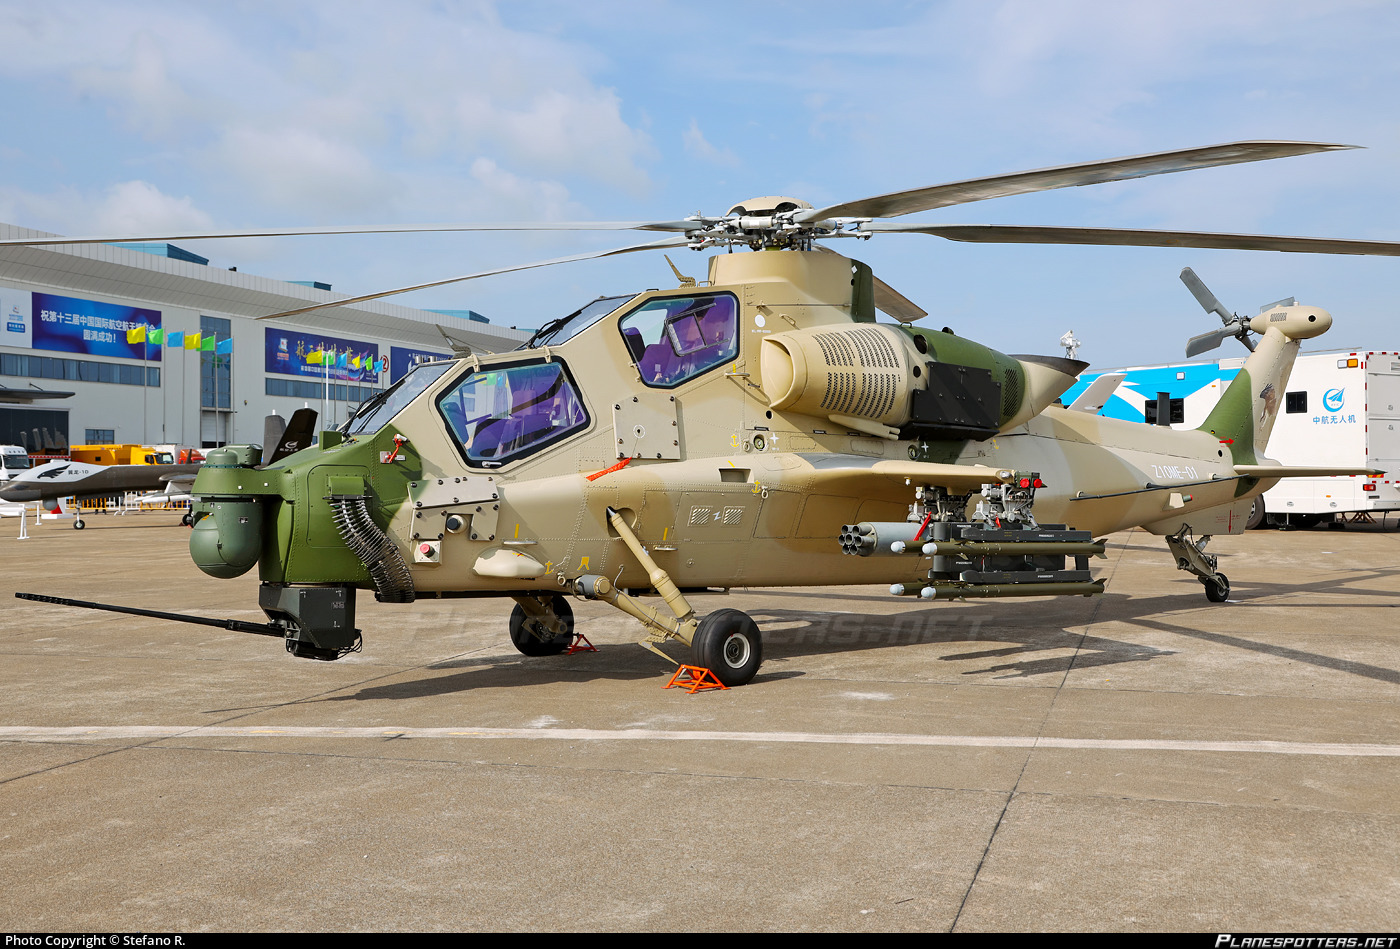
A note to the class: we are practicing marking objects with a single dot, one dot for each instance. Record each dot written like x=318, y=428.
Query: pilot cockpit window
x=500, y=414
x=673, y=339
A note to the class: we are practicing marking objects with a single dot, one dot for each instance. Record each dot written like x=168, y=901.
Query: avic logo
x=1332, y=400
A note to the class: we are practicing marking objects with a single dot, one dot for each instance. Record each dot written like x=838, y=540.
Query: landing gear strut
x=727, y=642
x=1191, y=556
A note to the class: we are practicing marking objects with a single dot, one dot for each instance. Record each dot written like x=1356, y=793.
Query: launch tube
x=989, y=590
x=968, y=549
x=874, y=538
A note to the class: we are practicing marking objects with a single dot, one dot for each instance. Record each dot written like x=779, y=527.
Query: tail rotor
x=1235, y=325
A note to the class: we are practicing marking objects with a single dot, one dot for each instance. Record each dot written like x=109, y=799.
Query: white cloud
x=152, y=101
x=140, y=207
x=503, y=195
x=697, y=145
x=303, y=171
x=127, y=208
x=329, y=108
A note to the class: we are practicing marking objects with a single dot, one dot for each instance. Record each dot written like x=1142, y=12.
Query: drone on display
x=759, y=428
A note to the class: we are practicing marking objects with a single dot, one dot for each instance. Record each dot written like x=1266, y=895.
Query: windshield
x=374, y=413
x=566, y=328
x=16, y=461
x=503, y=413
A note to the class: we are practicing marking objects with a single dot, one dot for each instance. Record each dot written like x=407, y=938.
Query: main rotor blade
x=1111, y=236
x=349, y=301
x=1065, y=176
x=358, y=229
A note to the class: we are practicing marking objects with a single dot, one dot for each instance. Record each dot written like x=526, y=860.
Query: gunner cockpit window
x=674, y=339
x=504, y=413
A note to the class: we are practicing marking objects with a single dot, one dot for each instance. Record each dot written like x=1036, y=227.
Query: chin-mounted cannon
x=245, y=515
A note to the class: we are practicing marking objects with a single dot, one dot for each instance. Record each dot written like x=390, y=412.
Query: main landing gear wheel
x=532, y=638
x=78, y=524
x=728, y=643
x=186, y=520
x=1217, y=588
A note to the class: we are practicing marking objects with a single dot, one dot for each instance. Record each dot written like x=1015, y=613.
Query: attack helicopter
x=756, y=428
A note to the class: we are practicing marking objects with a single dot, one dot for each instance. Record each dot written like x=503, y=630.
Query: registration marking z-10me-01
x=1179, y=472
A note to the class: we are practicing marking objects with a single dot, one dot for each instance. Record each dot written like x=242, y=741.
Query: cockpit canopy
x=674, y=339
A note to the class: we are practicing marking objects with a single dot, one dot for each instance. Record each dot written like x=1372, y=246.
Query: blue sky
x=140, y=116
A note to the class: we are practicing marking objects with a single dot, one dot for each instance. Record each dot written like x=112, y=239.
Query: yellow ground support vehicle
x=122, y=455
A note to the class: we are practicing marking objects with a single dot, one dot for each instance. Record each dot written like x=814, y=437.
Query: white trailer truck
x=13, y=459
x=1340, y=408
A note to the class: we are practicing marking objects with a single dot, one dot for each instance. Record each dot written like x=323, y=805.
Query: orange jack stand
x=695, y=679
x=580, y=644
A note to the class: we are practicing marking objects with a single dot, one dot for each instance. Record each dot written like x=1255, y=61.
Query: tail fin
x=297, y=434
x=1244, y=416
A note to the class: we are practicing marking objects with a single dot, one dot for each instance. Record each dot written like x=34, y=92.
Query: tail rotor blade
x=1207, y=341
x=1203, y=295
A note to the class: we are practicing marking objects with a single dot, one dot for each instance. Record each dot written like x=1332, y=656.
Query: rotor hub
x=764, y=222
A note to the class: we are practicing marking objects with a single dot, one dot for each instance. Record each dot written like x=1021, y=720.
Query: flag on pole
x=314, y=357
x=225, y=346
x=207, y=344
x=344, y=361
x=192, y=340
x=155, y=336
x=136, y=334
x=175, y=340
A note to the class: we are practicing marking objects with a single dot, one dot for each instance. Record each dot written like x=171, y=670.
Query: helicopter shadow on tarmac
x=790, y=635
x=1032, y=638
x=1275, y=591
x=1027, y=630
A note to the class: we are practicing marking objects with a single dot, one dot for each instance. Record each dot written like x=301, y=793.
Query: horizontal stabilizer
x=1095, y=397
x=1301, y=471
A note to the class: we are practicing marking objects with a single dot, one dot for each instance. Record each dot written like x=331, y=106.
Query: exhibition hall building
x=147, y=344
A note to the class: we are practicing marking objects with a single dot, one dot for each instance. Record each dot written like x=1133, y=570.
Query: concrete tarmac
x=1145, y=760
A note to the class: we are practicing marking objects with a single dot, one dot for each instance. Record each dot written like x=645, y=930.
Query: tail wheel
x=728, y=643
x=1217, y=588
x=532, y=638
